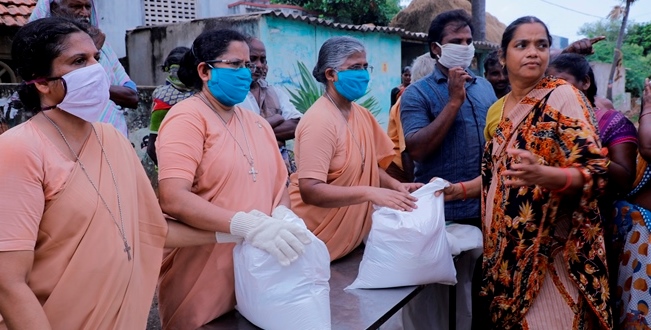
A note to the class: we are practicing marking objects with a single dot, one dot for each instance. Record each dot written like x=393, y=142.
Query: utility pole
x=479, y=19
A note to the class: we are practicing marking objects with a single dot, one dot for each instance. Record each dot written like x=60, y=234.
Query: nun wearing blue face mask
x=342, y=153
x=219, y=167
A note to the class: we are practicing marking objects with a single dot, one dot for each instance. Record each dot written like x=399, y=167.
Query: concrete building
x=13, y=15
x=559, y=42
x=290, y=40
x=118, y=16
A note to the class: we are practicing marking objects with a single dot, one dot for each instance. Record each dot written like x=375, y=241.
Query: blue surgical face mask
x=352, y=84
x=229, y=86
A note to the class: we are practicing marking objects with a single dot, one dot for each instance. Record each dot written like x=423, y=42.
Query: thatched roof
x=420, y=13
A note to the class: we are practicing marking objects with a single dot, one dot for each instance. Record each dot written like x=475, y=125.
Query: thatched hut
x=420, y=13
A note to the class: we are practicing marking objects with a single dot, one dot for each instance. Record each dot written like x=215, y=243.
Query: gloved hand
x=281, y=211
x=227, y=238
x=282, y=239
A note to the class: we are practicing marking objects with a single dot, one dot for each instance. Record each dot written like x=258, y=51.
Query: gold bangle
x=608, y=163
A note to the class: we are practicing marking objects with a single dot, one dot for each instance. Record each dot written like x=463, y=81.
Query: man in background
x=271, y=103
x=443, y=117
x=123, y=92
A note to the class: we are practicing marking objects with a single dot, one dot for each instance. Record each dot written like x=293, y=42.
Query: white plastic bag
x=273, y=296
x=463, y=238
x=408, y=248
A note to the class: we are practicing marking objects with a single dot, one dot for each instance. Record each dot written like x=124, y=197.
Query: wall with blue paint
x=289, y=41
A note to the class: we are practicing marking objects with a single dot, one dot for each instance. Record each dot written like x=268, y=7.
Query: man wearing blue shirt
x=443, y=118
x=443, y=115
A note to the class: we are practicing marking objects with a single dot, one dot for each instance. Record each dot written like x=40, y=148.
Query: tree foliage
x=378, y=12
x=607, y=28
x=637, y=65
x=635, y=49
x=640, y=34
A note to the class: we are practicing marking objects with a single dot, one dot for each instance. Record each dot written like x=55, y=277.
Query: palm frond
x=309, y=90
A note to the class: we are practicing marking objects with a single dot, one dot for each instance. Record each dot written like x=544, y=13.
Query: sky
x=564, y=18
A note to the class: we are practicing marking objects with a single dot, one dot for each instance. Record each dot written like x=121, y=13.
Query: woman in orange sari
x=81, y=237
x=342, y=153
x=544, y=254
x=219, y=170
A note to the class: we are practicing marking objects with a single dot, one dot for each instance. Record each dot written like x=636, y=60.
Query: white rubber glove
x=227, y=238
x=281, y=211
x=282, y=239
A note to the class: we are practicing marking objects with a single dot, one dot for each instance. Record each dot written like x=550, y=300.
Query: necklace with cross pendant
x=253, y=172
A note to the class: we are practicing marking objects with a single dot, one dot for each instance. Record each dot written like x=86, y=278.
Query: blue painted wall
x=289, y=41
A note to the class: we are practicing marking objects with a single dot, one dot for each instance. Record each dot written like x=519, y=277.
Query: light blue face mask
x=352, y=84
x=229, y=86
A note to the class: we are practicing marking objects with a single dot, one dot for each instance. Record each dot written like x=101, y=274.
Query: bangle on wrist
x=465, y=195
x=568, y=180
x=644, y=114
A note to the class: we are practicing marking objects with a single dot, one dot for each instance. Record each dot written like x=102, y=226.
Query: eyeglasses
x=237, y=64
x=368, y=68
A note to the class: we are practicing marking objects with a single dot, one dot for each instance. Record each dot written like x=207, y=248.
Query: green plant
x=309, y=90
x=378, y=12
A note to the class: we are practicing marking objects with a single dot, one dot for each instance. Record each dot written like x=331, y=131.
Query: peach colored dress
x=325, y=151
x=396, y=134
x=196, y=283
x=81, y=274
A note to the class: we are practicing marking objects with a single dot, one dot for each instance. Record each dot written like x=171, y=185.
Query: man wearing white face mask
x=443, y=118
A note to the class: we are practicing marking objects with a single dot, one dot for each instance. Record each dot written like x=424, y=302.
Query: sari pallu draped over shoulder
x=523, y=226
x=81, y=274
x=323, y=127
x=196, y=283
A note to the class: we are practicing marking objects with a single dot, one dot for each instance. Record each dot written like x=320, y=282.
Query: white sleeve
x=288, y=110
x=249, y=103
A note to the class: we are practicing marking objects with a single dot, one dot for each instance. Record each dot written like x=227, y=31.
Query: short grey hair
x=422, y=67
x=333, y=53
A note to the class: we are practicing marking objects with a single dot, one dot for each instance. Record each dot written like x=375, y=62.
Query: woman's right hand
x=397, y=200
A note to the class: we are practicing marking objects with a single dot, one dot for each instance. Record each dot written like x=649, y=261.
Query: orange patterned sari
x=544, y=254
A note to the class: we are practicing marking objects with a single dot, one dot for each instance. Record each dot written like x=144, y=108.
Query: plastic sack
x=273, y=296
x=463, y=238
x=408, y=248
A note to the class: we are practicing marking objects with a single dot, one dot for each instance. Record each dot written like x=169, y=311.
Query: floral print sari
x=536, y=239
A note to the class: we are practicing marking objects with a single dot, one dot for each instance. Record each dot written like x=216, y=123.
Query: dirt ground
x=153, y=322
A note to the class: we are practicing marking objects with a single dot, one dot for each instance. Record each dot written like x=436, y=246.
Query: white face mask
x=87, y=92
x=453, y=55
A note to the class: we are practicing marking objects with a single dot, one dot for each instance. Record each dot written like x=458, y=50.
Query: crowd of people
x=553, y=175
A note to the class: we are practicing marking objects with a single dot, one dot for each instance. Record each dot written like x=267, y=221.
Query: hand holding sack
x=274, y=296
x=408, y=248
x=282, y=239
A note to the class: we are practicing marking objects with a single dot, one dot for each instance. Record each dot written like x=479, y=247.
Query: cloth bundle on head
x=42, y=10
